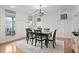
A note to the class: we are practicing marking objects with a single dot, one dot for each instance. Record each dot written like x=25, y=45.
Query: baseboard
x=24, y=38
x=62, y=38
x=13, y=40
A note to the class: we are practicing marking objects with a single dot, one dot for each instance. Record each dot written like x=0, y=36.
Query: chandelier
x=40, y=12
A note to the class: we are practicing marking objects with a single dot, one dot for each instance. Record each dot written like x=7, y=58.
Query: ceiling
x=50, y=9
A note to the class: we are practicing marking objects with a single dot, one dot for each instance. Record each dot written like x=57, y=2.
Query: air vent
x=63, y=17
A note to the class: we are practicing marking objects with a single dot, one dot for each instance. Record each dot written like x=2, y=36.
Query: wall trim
x=21, y=38
x=63, y=38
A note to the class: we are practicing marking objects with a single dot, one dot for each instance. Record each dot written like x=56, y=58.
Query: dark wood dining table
x=44, y=34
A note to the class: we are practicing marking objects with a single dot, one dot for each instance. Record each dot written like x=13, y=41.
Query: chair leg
x=46, y=43
x=32, y=41
x=41, y=44
x=35, y=41
x=27, y=40
x=53, y=44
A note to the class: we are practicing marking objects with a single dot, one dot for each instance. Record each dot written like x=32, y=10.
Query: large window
x=9, y=25
x=9, y=22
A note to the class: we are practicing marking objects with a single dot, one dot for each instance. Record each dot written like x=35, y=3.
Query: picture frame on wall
x=63, y=16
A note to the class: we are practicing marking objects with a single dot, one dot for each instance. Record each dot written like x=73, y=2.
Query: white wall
x=64, y=27
x=76, y=19
x=53, y=22
x=20, y=25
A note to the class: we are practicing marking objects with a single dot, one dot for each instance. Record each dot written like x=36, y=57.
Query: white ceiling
x=50, y=9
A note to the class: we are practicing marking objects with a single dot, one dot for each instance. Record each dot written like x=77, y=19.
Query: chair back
x=28, y=32
x=46, y=29
x=28, y=29
x=50, y=34
x=36, y=33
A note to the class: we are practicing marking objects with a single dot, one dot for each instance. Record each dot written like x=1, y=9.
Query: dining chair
x=38, y=37
x=53, y=38
x=29, y=35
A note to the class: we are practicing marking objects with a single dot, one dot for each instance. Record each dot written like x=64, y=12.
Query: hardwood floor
x=9, y=47
x=67, y=45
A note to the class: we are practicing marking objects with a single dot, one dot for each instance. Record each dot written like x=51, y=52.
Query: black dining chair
x=53, y=39
x=38, y=37
x=29, y=35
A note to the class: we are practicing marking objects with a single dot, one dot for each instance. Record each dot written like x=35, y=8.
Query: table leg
x=46, y=41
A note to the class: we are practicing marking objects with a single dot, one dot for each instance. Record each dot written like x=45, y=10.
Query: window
x=9, y=22
x=9, y=25
x=30, y=23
